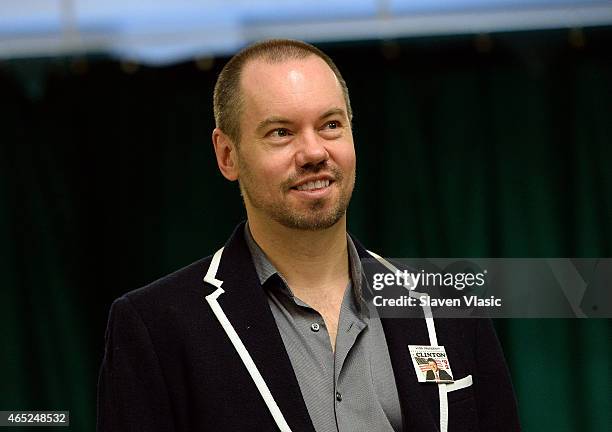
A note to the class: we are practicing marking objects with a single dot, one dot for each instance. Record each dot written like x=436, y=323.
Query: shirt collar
x=265, y=269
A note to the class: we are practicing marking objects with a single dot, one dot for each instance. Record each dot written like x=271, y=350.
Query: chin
x=310, y=221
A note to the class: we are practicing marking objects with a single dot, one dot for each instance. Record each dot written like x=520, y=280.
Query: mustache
x=331, y=170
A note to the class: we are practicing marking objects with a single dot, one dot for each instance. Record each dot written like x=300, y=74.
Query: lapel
x=400, y=332
x=245, y=304
x=246, y=307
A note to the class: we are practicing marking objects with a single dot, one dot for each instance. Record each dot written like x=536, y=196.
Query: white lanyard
x=433, y=341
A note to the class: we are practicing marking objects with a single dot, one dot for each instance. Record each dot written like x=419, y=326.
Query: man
x=435, y=373
x=272, y=331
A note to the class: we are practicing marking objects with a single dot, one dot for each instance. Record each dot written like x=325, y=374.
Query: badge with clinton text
x=431, y=363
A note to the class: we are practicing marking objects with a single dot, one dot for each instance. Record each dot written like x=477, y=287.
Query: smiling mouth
x=313, y=185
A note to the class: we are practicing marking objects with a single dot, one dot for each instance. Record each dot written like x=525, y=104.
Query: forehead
x=303, y=84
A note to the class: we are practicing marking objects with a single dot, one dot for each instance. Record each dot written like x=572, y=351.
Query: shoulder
x=177, y=292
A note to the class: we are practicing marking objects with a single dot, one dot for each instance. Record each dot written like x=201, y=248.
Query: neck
x=304, y=258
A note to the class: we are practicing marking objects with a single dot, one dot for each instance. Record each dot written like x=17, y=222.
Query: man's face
x=296, y=157
x=433, y=366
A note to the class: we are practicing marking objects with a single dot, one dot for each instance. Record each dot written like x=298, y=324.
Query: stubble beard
x=315, y=217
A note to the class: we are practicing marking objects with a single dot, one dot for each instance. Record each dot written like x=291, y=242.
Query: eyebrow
x=271, y=120
x=332, y=112
x=284, y=121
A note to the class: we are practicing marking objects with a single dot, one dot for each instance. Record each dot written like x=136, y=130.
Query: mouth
x=313, y=185
x=315, y=188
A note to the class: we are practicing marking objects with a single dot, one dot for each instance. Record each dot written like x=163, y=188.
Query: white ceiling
x=161, y=32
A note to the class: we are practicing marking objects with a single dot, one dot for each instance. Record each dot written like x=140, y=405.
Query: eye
x=279, y=133
x=332, y=129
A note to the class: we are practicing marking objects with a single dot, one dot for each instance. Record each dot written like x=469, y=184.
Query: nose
x=311, y=150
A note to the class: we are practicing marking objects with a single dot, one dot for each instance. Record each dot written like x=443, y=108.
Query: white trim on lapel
x=433, y=340
x=211, y=278
x=431, y=327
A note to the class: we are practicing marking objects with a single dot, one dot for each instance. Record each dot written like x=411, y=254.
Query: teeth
x=313, y=185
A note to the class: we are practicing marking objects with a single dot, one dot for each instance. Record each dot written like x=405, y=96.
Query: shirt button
x=338, y=397
x=315, y=327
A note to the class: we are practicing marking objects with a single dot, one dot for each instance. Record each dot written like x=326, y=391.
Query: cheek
x=345, y=158
x=267, y=170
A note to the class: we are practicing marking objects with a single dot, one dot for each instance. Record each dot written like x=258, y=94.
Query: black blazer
x=169, y=366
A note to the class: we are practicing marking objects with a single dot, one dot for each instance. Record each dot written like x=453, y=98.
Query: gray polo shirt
x=352, y=389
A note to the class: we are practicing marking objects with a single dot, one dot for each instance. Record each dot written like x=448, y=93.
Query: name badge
x=431, y=363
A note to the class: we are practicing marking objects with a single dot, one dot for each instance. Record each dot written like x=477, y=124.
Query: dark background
x=477, y=146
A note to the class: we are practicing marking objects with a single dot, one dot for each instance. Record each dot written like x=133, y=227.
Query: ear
x=225, y=151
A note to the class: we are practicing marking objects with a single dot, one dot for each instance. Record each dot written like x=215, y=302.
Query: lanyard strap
x=433, y=341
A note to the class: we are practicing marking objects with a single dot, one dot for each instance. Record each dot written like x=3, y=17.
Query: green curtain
x=495, y=146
